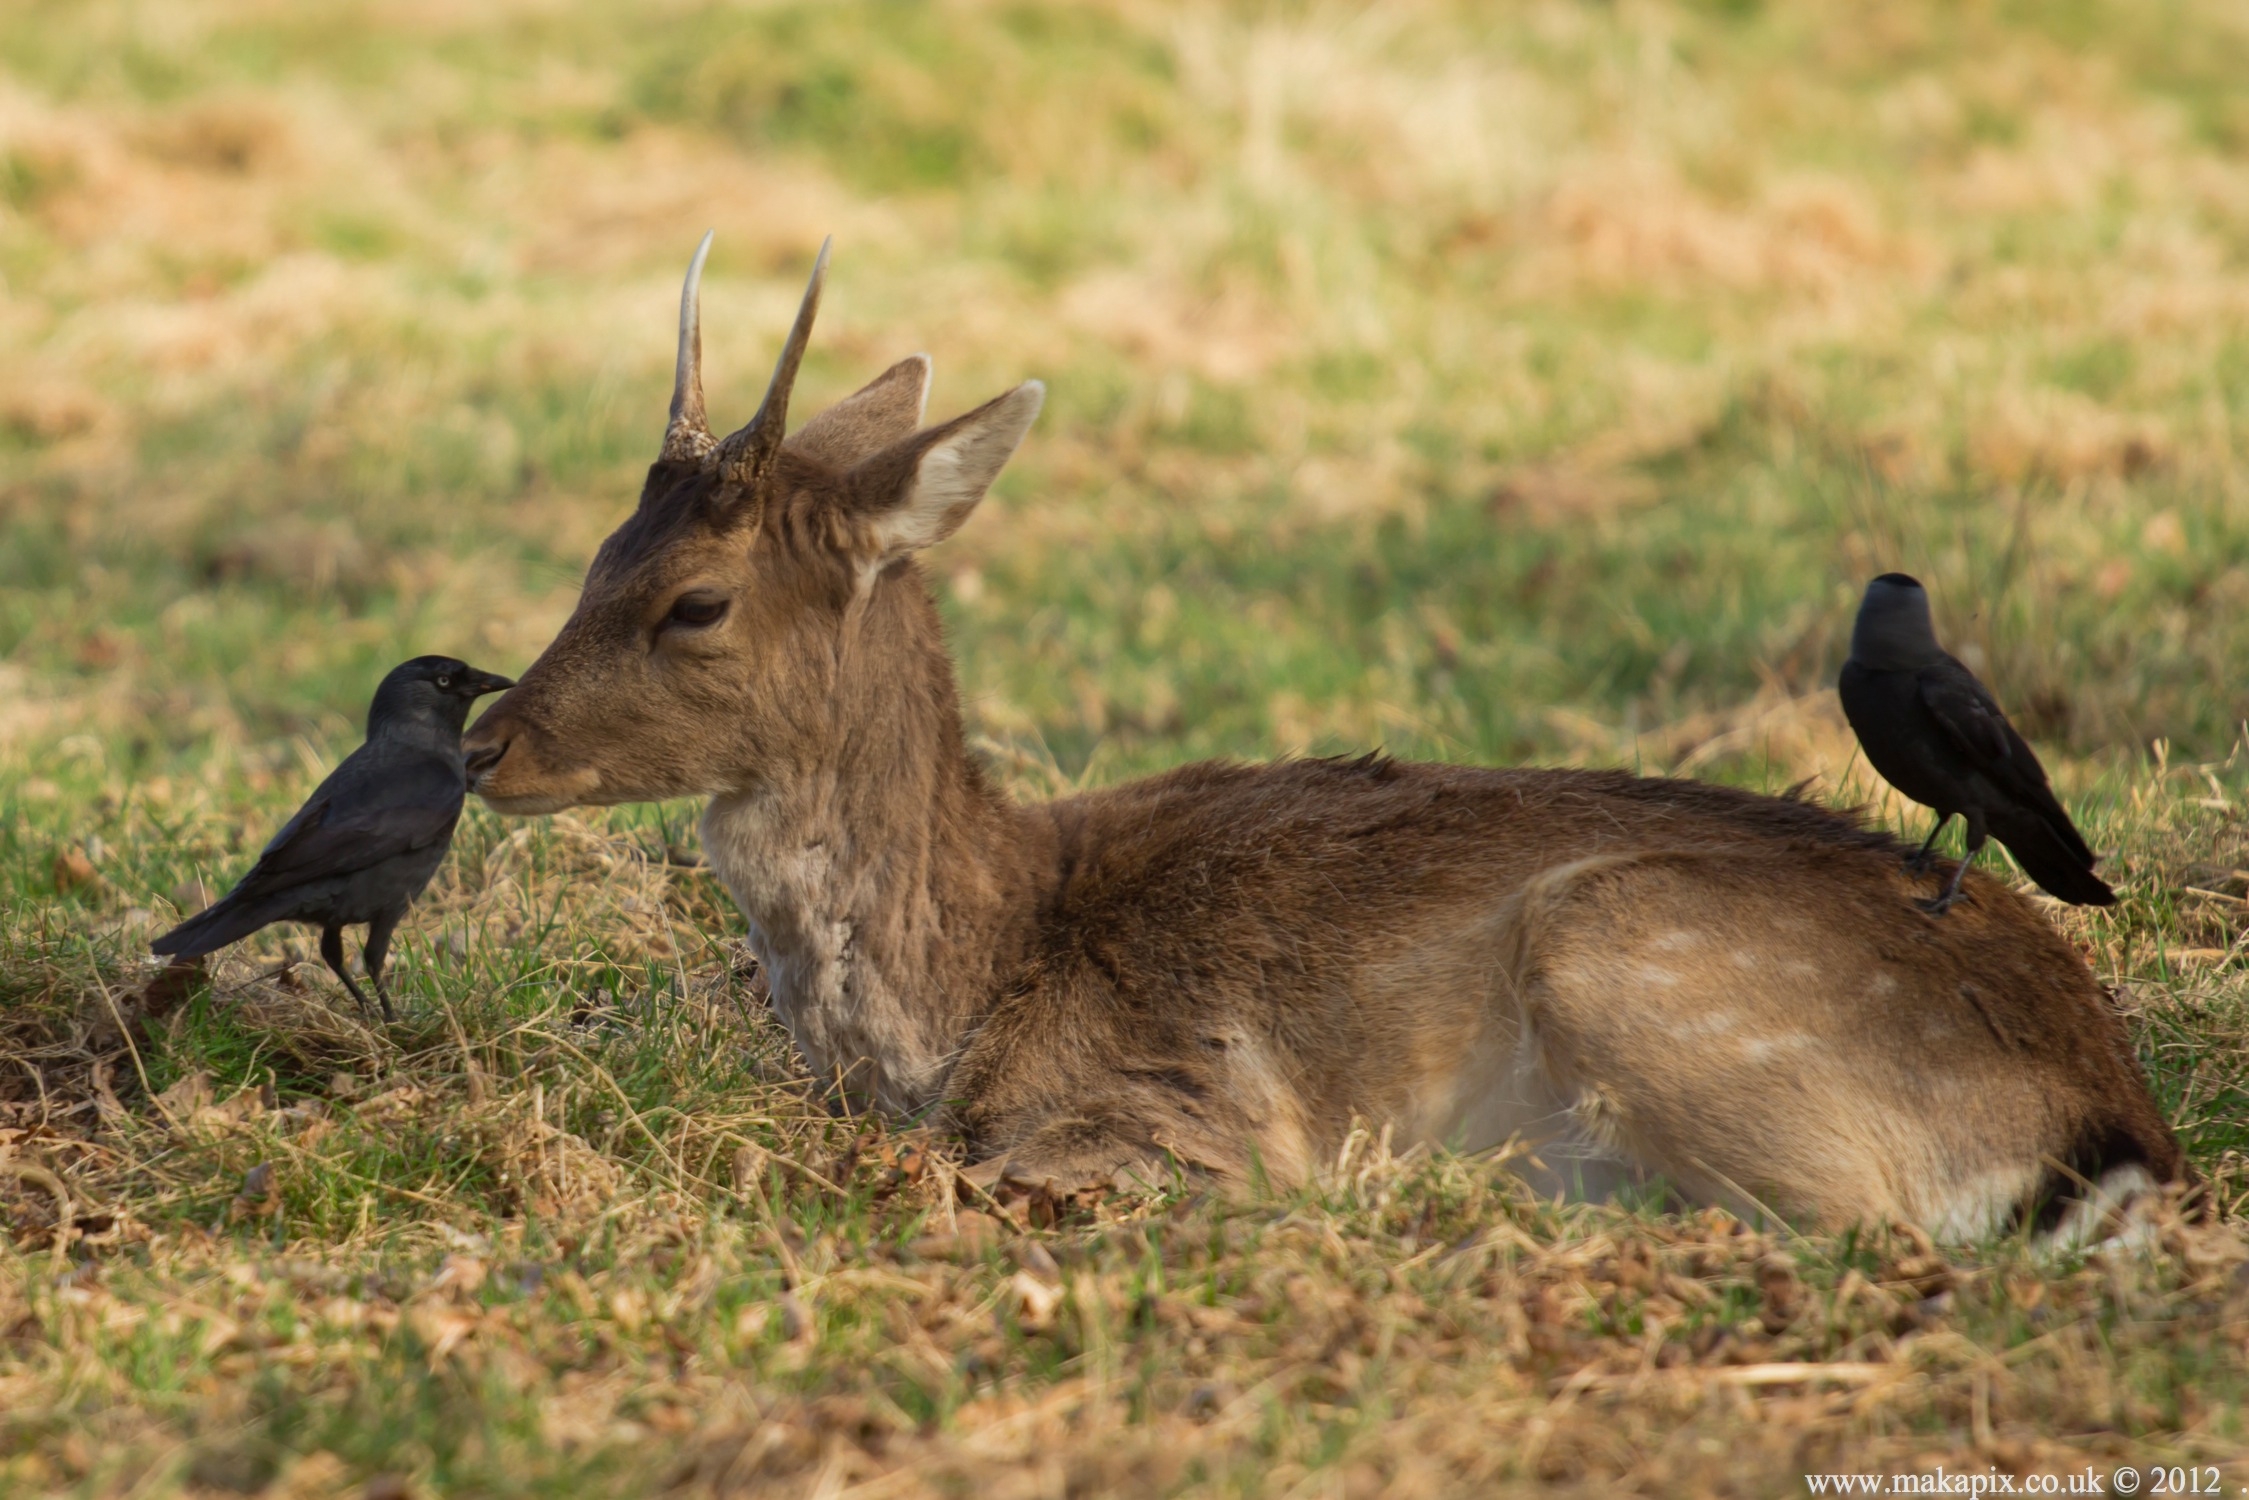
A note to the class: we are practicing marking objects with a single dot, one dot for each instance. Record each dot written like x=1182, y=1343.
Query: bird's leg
x=378, y=949
x=1920, y=860
x=1943, y=903
x=332, y=954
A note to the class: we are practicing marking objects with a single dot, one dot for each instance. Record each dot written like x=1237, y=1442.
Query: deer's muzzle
x=511, y=764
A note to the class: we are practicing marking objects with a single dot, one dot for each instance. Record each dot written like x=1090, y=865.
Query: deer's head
x=759, y=585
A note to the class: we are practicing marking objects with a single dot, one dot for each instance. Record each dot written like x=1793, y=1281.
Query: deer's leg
x=1118, y=1121
x=1080, y=1149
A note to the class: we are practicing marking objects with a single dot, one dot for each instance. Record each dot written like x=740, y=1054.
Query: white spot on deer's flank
x=1762, y=1049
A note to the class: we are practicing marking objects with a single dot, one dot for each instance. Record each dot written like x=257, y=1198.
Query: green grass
x=1499, y=384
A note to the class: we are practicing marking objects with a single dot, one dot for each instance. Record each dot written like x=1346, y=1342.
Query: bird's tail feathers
x=2064, y=831
x=228, y=920
x=2054, y=860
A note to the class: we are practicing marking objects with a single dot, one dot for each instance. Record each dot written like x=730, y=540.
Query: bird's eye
x=444, y=679
x=696, y=609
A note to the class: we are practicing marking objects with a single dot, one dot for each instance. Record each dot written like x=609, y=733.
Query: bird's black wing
x=1972, y=720
x=362, y=815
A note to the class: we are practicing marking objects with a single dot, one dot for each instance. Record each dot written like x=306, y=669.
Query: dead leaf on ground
x=173, y=984
x=73, y=871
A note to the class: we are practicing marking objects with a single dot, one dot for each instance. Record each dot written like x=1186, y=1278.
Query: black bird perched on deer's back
x=370, y=836
x=1938, y=736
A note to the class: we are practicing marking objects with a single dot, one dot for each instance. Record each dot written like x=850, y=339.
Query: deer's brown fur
x=1226, y=967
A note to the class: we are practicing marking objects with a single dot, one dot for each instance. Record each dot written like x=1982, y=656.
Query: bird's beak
x=490, y=682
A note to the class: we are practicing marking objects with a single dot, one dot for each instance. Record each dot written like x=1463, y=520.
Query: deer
x=1629, y=983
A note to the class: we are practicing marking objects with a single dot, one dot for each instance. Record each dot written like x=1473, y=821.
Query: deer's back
x=1311, y=861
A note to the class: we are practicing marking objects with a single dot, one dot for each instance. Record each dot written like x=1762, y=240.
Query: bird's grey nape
x=1894, y=630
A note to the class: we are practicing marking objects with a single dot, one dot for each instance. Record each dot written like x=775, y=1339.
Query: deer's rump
x=1637, y=977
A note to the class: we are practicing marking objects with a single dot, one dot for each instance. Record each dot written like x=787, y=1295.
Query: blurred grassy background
x=1497, y=382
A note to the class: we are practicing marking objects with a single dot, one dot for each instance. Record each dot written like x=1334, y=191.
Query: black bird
x=371, y=835
x=1936, y=735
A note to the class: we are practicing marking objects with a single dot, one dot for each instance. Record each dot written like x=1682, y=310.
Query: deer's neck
x=890, y=891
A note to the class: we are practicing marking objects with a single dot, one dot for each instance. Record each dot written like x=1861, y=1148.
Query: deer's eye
x=697, y=609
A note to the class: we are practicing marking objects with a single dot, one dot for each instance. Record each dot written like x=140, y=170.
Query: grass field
x=1499, y=383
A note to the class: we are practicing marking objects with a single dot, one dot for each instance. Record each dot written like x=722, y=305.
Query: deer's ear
x=868, y=420
x=916, y=493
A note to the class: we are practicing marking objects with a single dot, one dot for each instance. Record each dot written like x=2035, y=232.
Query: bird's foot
x=1920, y=861
x=1944, y=900
x=366, y=1006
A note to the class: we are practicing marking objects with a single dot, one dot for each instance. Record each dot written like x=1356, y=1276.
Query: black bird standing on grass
x=371, y=835
x=1936, y=735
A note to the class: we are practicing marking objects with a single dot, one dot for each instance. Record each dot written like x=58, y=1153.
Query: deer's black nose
x=483, y=758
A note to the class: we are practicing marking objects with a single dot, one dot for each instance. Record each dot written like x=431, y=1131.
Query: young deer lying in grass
x=1229, y=965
